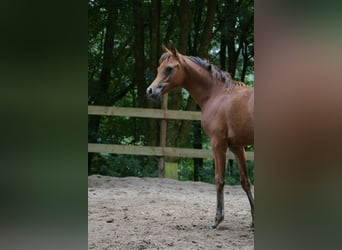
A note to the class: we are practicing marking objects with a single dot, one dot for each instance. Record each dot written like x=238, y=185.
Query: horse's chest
x=214, y=124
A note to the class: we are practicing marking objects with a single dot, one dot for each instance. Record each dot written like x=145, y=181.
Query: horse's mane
x=216, y=73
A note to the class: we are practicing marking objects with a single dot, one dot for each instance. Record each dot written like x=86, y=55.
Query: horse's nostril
x=149, y=91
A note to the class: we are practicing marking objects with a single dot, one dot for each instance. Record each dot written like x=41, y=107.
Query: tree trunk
x=152, y=124
x=207, y=31
x=155, y=34
x=185, y=26
x=99, y=97
x=223, y=50
x=246, y=29
x=245, y=61
x=231, y=33
x=139, y=55
x=197, y=25
x=233, y=55
x=171, y=22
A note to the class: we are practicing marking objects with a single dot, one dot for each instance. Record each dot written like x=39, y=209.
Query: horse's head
x=170, y=73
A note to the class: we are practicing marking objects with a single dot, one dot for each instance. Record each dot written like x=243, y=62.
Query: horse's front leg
x=219, y=151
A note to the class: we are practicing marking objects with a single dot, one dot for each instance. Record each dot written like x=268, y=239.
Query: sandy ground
x=152, y=213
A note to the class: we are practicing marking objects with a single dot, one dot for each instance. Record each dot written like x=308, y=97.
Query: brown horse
x=227, y=112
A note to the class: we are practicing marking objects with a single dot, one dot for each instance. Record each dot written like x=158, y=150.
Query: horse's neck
x=200, y=84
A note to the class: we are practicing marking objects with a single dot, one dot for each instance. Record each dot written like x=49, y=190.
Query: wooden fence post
x=163, y=127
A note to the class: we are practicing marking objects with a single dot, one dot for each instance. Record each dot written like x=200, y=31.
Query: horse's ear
x=165, y=49
x=173, y=49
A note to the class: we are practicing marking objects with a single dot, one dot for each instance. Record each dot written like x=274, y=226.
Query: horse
x=227, y=112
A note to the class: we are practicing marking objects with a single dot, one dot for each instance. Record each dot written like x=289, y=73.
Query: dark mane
x=218, y=74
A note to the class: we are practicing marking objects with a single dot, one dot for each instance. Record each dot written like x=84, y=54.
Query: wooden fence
x=162, y=151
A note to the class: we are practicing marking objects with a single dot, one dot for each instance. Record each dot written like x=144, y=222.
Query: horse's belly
x=240, y=139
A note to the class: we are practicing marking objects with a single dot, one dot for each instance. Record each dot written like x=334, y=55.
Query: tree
x=139, y=55
x=99, y=95
x=152, y=124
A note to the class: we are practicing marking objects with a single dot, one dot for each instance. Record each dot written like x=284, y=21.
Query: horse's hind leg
x=240, y=156
x=219, y=151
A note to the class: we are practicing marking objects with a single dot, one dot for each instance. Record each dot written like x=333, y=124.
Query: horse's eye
x=168, y=70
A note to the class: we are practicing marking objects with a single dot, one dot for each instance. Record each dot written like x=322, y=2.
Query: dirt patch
x=153, y=213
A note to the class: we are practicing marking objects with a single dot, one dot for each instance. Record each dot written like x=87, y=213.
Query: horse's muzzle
x=154, y=93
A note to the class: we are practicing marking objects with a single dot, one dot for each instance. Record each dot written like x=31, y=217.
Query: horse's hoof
x=217, y=222
x=212, y=226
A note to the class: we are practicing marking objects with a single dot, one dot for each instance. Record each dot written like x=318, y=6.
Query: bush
x=143, y=166
x=125, y=165
x=207, y=173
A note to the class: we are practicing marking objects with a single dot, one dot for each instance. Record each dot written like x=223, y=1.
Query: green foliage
x=185, y=169
x=233, y=176
x=123, y=165
x=207, y=173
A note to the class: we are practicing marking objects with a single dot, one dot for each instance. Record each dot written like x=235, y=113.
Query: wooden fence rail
x=162, y=151
x=144, y=113
x=157, y=151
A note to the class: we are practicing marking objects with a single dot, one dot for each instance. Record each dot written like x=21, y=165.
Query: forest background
x=124, y=45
